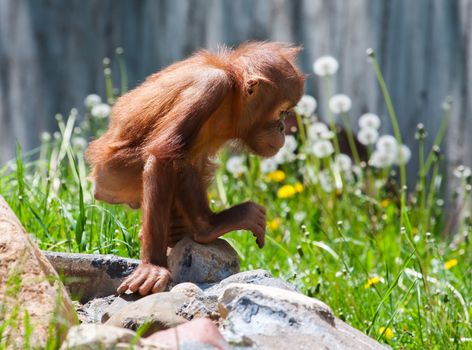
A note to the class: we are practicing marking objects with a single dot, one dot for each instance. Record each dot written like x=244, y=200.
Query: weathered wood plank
x=51, y=51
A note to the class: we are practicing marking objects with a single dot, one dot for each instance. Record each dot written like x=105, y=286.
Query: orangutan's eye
x=286, y=114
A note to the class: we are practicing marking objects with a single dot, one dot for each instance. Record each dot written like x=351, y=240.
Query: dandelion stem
x=332, y=124
x=392, y=114
x=438, y=139
x=350, y=139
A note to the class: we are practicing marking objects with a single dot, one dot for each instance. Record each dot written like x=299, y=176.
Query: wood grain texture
x=51, y=52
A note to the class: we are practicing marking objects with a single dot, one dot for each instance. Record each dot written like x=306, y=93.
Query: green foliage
x=382, y=257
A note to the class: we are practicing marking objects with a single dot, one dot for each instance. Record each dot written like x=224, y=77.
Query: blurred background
x=51, y=54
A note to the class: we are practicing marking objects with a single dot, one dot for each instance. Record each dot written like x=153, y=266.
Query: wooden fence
x=51, y=52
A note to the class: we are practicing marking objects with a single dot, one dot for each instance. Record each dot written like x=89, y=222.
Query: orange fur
x=162, y=134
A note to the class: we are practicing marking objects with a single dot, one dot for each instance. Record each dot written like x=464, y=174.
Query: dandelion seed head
x=340, y=104
x=101, y=111
x=369, y=120
x=268, y=165
x=299, y=216
x=326, y=180
x=403, y=155
x=325, y=65
x=316, y=129
x=322, y=148
x=306, y=106
x=387, y=143
x=368, y=136
x=381, y=159
x=343, y=161
x=236, y=165
x=79, y=142
x=462, y=172
x=286, y=153
x=45, y=136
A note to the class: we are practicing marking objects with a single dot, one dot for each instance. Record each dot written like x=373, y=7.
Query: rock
x=200, y=334
x=158, y=311
x=274, y=318
x=92, y=311
x=29, y=284
x=89, y=276
x=258, y=277
x=202, y=263
x=189, y=289
x=93, y=336
x=117, y=304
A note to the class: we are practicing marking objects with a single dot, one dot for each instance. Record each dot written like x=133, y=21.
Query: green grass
x=370, y=249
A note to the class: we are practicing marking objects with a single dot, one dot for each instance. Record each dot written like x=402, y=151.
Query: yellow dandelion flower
x=277, y=176
x=286, y=191
x=298, y=187
x=274, y=224
x=372, y=281
x=385, y=203
x=450, y=264
x=388, y=332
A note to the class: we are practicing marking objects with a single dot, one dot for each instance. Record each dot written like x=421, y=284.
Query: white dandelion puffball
x=322, y=148
x=325, y=65
x=340, y=104
x=369, y=120
x=316, y=129
x=236, y=165
x=462, y=172
x=92, y=100
x=368, y=136
x=45, y=136
x=327, y=135
x=343, y=161
x=268, y=165
x=326, y=180
x=306, y=106
x=381, y=159
x=284, y=156
x=286, y=153
x=79, y=142
x=290, y=143
x=101, y=111
x=403, y=155
x=387, y=144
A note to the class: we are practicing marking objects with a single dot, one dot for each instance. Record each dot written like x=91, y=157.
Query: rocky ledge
x=210, y=305
x=241, y=310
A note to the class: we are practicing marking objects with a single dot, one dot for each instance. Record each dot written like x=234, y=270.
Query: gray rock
x=274, y=318
x=118, y=303
x=257, y=277
x=157, y=311
x=202, y=263
x=93, y=336
x=92, y=311
x=89, y=276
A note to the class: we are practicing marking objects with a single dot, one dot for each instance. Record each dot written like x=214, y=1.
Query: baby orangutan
x=156, y=154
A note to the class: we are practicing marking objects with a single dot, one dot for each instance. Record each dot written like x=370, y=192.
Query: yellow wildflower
x=286, y=191
x=385, y=203
x=450, y=264
x=298, y=187
x=277, y=176
x=274, y=224
x=372, y=281
x=388, y=332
